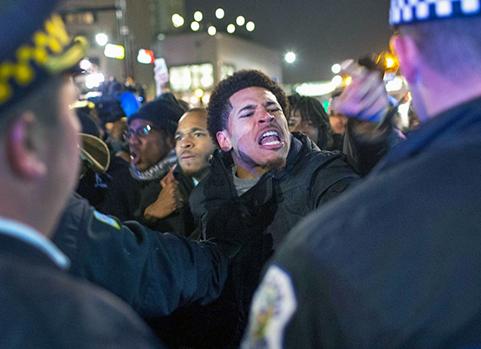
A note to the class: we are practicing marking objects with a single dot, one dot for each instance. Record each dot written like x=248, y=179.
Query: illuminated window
x=191, y=77
x=226, y=70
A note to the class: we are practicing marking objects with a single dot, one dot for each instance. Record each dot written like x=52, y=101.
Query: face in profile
x=257, y=132
x=148, y=144
x=193, y=144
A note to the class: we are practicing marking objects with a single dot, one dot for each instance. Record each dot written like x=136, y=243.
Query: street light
x=211, y=30
x=102, y=39
x=240, y=20
x=195, y=26
x=231, y=28
x=290, y=57
x=177, y=20
x=250, y=26
x=336, y=68
x=337, y=80
x=198, y=16
x=219, y=13
x=85, y=64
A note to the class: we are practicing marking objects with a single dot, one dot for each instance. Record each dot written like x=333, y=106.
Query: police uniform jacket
x=394, y=263
x=43, y=307
x=153, y=272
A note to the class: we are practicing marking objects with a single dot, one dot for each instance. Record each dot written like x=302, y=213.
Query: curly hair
x=219, y=106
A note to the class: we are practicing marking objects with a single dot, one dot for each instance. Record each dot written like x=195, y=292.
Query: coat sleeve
x=365, y=143
x=153, y=272
x=330, y=180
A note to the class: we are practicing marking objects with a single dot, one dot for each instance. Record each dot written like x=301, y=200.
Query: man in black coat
x=166, y=206
x=263, y=176
x=402, y=270
x=40, y=305
x=150, y=136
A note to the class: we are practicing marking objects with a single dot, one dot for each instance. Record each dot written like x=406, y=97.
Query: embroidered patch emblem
x=273, y=306
x=107, y=220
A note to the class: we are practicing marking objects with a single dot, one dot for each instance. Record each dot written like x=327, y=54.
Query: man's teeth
x=272, y=143
x=270, y=133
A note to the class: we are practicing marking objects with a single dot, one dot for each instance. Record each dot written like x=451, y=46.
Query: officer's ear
x=224, y=140
x=25, y=155
x=408, y=55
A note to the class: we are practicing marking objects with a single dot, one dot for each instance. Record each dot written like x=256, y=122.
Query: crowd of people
x=261, y=221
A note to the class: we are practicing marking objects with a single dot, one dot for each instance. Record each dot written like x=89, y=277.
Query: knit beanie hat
x=163, y=112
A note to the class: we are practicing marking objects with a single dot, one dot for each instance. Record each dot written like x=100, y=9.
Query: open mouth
x=134, y=158
x=270, y=139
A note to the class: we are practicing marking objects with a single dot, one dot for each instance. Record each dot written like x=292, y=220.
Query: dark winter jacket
x=271, y=208
x=123, y=193
x=42, y=307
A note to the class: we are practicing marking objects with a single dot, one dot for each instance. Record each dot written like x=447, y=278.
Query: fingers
x=168, y=181
x=169, y=177
x=365, y=98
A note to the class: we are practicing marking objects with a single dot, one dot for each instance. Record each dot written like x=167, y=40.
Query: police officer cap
x=34, y=45
x=404, y=12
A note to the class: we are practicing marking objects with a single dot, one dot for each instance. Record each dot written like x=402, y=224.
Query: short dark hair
x=43, y=101
x=219, y=105
x=451, y=46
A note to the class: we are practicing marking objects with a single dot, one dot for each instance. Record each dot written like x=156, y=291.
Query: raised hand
x=168, y=201
x=365, y=99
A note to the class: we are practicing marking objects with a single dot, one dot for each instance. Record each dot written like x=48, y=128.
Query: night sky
x=321, y=32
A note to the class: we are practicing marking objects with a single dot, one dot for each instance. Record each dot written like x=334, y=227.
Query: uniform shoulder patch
x=273, y=306
x=107, y=220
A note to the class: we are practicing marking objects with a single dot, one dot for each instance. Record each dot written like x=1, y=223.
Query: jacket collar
x=28, y=235
x=300, y=144
x=454, y=125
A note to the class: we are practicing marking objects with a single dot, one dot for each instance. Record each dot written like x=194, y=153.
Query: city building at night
x=127, y=35
x=197, y=61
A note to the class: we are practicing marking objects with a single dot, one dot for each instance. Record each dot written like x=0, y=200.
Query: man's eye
x=177, y=138
x=199, y=134
x=246, y=115
x=273, y=110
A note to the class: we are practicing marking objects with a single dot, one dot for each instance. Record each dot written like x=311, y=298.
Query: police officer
x=40, y=305
x=403, y=270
